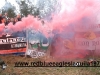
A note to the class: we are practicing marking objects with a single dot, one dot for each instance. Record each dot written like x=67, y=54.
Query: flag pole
x=26, y=42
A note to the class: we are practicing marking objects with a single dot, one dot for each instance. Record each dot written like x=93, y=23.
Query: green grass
x=11, y=70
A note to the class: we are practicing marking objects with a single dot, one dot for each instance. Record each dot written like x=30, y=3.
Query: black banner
x=7, y=43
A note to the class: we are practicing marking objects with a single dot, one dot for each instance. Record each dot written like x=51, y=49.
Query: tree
x=47, y=7
x=26, y=8
x=10, y=9
x=11, y=13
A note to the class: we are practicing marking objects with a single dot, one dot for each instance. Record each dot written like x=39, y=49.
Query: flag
x=44, y=44
x=90, y=35
x=68, y=44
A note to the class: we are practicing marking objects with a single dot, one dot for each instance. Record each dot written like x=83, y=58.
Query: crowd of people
x=6, y=20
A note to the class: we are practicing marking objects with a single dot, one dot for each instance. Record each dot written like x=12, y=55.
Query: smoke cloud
x=62, y=26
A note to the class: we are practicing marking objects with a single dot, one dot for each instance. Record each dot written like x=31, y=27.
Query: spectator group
x=6, y=20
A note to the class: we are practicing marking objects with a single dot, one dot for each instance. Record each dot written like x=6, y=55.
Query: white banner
x=35, y=54
x=12, y=40
x=82, y=43
x=37, y=44
x=84, y=28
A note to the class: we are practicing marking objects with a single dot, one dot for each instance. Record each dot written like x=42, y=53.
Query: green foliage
x=24, y=9
x=27, y=8
x=10, y=10
x=11, y=13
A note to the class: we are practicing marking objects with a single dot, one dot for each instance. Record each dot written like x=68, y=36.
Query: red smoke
x=2, y=26
x=83, y=13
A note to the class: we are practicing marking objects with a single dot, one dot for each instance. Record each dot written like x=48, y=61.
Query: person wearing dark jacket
x=0, y=18
x=18, y=17
x=3, y=20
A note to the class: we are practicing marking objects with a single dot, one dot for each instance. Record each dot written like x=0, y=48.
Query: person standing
x=18, y=17
x=0, y=18
x=6, y=15
x=6, y=18
x=3, y=19
x=15, y=20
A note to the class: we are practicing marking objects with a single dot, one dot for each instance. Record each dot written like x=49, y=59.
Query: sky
x=2, y=2
x=13, y=2
x=70, y=3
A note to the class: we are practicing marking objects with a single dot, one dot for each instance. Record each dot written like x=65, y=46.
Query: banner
x=87, y=37
x=11, y=44
x=85, y=44
x=37, y=44
x=85, y=28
